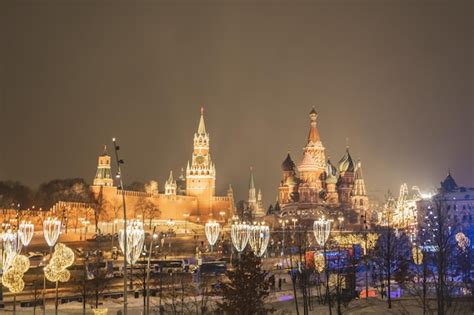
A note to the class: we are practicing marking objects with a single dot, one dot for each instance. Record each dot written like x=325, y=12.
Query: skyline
x=380, y=76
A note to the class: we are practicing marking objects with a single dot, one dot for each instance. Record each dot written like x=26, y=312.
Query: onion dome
x=291, y=181
x=288, y=165
x=331, y=173
x=346, y=164
x=449, y=184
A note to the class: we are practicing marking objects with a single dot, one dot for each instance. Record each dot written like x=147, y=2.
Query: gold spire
x=313, y=135
x=202, y=126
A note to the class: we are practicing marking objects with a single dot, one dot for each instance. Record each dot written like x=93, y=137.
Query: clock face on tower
x=199, y=159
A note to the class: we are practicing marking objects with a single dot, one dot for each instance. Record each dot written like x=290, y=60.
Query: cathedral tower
x=359, y=195
x=201, y=173
x=331, y=180
x=313, y=165
x=170, y=185
x=288, y=190
x=103, y=176
x=346, y=178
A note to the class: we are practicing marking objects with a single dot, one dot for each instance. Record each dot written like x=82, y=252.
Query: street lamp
x=321, y=230
x=212, y=229
x=86, y=224
x=186, y=217
x=51, y=232
x=26, y=231
x=239, y=233
x=259, y=237
x=283, y=223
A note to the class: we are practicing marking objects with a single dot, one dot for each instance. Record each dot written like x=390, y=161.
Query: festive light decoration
x=26, y=231
x=13, y=277
x=135, y=241
x=259, y=236
x=100, y=311
x=63, y=257
x=463, y=241
x=321, y=230
x=51, y=230
x=239, y=233
x=417, y=254
x=10, y=249
x=351, y=238
x=212, y=230
x=319, y=261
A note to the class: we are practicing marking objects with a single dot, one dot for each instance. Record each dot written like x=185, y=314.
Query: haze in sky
x=395, y=77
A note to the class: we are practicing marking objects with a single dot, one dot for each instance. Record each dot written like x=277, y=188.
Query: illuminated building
x=316, y=186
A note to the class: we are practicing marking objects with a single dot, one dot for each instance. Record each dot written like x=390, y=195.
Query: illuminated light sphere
x=11, y=276
x=319, y=261
x=417, y=255
x=10, y=249
x=64, y=275
x=321, y=230
x=135, y=241
x=212, y=229
x=51, y=230
x=65, y=254
x=21, y=263
x=62, y=258
x=463, y=241
x=17, y=287
x=259, y=236
x=26, y=232
x=239, y=233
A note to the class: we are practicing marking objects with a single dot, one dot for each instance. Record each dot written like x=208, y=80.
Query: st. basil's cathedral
x=316, y=187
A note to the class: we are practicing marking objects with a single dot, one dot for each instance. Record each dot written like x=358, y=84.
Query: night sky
x=395, y=77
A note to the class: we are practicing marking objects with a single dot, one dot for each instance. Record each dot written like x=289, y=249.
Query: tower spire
x=103, y=176
x=202, y=126
x=251, y=182
x=313, y=135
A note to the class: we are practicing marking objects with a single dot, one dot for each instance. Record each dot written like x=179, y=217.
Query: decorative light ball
x=212, y=230
x=64, y=275
x=240, y=233
x=17, y=287
x=11, y=276
x=21, y=263
x=259, y=236
x=62, y=258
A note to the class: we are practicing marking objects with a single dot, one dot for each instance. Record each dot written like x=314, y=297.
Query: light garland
x=417, y=255
x=51, y=230
x=63, y=257
x=135, y=241
x=100, y=311
x=259, y=236
x=212, y=229
x=240, y=235
x=321, y=230
x=319, y=262
x=26, y=231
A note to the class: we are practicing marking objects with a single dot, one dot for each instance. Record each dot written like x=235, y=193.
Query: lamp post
x=147, y=282
x=366, y=258
x=239, y=233
x=321, y=230
x=186, y=218
x=51, y=232
x=26, y=231
x=212, y=229
x=119, y=177
x=259, y=236
x=283, y=224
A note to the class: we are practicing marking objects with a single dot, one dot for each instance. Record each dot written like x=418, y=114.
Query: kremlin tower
x=103, y=176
